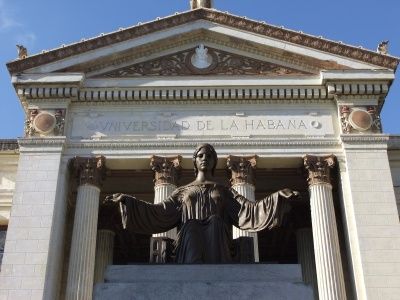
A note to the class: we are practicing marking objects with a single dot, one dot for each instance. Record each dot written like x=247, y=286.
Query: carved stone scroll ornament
x=242, y=169
x=45, y=122
x=203, y=61
x=319, y=168
x=360, y=119
x=89, y=170
x=167, y=170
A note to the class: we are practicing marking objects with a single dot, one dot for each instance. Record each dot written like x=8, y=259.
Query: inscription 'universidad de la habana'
x=201, y=125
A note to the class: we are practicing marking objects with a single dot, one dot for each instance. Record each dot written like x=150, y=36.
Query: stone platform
x=257, y=281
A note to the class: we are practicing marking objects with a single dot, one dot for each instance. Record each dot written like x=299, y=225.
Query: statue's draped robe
x=204, y=215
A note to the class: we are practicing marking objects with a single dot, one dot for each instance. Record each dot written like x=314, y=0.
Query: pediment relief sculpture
x=203, y=60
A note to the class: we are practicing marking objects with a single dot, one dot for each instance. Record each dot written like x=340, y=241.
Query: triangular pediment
x=228, y=30
x=202, y=60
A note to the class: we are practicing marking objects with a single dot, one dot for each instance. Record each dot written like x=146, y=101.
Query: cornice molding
x=168, y=144
x=9, y=145
x=365, y=141
x=206, y=93
x=394, y=142
x=357, y=88
x=237, y=22
x=42, y=145
x=48, y=92
x=171, y=94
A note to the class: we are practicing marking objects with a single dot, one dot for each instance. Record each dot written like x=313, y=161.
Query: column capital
x=166, y=170
x=319, y=168
x=89, y=170
x=242, y=169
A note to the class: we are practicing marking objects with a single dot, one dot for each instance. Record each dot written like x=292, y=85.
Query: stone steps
x=258, y=281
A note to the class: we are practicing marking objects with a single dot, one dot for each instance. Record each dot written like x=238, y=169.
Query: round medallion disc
x=44, y=122
x=360, y=120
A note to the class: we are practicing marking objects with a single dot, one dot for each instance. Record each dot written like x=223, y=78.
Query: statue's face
x=205, y=160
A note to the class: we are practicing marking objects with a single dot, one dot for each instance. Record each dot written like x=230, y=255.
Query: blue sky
x=46, y=24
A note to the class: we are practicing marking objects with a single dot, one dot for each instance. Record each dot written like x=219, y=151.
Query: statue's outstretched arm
x=142, y=217
x=264, y=213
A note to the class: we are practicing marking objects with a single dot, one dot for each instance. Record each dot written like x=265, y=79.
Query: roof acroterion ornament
x=383, y=47
x=201, y=4
x=22, y=52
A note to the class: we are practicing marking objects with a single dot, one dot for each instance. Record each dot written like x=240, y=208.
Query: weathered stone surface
x=203, y=282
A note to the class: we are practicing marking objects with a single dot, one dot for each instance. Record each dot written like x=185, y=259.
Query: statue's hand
x=288, y=193
x=115, y=198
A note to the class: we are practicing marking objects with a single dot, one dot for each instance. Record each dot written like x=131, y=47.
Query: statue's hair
x=213, y=152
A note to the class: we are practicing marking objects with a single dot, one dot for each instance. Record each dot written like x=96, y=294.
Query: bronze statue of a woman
x=204, y=212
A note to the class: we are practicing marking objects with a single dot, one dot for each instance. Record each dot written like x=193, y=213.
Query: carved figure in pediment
x=201, y=59
x=204, y=212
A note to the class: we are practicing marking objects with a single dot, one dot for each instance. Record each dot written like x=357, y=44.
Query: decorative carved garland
x=221, y=63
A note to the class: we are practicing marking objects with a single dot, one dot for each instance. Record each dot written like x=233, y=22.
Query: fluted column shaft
x=325, y=235
x=306, y=256
x=242, y=180
x=83, y=246
x=104, y=253
x=167, y=171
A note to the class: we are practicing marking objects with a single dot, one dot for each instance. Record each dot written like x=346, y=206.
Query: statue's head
x=209, y=149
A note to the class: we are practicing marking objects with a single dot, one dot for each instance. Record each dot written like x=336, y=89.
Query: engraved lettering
x=271, y=124
x=302, y=125
x=201, y=125
x=185, y=125
x=234, y=126
x=280, y=125
x=250, y=124
x=292, y=123
x=260, y=125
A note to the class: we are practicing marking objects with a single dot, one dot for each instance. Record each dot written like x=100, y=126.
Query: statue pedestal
x=240, y=281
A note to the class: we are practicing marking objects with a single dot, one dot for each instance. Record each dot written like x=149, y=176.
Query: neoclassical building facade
x=123, y=112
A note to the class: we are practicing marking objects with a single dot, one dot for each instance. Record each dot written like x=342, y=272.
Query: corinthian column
x=90, y=173
x=167, y=171
x=243, y=181
x=326, y=242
